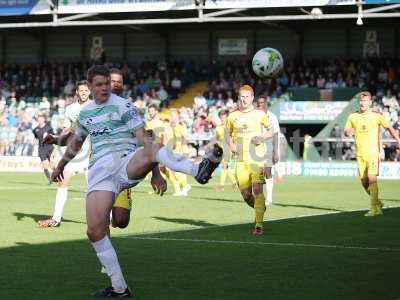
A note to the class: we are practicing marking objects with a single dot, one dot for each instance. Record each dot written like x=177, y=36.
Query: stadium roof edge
x=379, y=11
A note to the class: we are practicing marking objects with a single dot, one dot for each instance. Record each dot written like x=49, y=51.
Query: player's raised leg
x=145, y=159
x=98, y=207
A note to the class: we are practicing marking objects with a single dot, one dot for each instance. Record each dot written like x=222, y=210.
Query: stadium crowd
x=29, y=90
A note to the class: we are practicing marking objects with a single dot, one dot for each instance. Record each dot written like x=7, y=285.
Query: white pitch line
x=287, y=244
x=265, y=243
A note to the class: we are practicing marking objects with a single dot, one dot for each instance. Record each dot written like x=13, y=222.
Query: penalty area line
x=383, y=249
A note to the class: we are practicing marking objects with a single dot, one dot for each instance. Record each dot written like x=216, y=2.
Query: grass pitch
x=317, y=244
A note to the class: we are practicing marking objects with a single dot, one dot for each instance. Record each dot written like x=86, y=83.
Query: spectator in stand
x=199, y=102
x=390, y=101
x=142, y=87
x=220, y=102
x=200, y=126
x=321, y=81
x=176, y=86
x=186, y=118
x=44, y=106
x=69, y=88
x=331, y=84
x=140, y=105
x=210, y=98
x=4, y=136
x=162, y=96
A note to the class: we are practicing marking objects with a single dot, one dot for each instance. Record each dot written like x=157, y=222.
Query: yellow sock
x=231, y=176
x=373, y=189
x=171, y=176
x=182, y=179
x=259, y=209
x=223, y=177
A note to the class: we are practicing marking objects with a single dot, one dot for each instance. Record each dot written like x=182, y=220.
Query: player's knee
x=372, y=179
x=95, y=233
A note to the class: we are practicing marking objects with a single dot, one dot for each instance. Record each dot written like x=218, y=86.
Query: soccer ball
x=267, y=62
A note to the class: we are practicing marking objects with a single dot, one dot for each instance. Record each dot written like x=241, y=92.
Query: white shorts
x=269, y=162
x=109, y=174
x=77, y=166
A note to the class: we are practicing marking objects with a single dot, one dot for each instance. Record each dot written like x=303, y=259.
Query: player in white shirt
x=272, y=149
x=81, y=160
x=123, y=153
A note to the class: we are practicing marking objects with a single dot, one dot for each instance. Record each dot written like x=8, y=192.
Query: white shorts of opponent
x=277, y=168
x=109, y=174
x=77, y=166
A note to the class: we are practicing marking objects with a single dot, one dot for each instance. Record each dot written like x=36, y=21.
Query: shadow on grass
x=215, y=199
x=307, y=206
x=185, y=221
x=181, y=270
x=36, y=218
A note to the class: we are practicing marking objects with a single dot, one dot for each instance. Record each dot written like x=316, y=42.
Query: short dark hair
x=223, y=112
x=96, y=70
x=262, y=97
x=116, y=71
x=81, y=82
x=154, y=106
x=365, y=94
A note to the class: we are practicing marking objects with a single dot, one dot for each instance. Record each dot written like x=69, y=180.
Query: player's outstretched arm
x=74, y=146
x=65, y=137
x=61, y=140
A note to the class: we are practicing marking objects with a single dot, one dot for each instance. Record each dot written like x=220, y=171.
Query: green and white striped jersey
x=111, y=126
